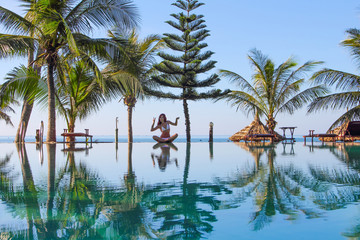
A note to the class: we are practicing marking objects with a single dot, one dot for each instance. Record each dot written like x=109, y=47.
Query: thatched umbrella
x=255, y=127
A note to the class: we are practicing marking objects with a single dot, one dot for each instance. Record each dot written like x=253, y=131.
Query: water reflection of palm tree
x=30, y=195
x=343, y=183
x=28, y=198
x=348, y=153
x=273, y=190
x=164, y=158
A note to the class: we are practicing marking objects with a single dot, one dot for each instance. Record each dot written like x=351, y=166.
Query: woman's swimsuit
x=165, y=131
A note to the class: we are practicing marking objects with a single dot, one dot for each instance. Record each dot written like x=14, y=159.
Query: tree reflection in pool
x=77, y=201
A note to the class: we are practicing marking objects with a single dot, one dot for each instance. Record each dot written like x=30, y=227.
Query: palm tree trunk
x=27, y=106
x=51, y=132
x=130, y=130
x=71, y=129
x=24, y=120
x=50, y=224
x=271, y=123
x=187, y=121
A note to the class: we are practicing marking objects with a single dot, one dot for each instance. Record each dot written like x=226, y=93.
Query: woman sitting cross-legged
x=164, y=126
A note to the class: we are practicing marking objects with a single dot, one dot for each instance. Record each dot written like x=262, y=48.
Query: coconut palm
x=23, y=83
x=274, y=89
x=25, y=27
x=127, y=75
x=59, y=26
x=79, y=93
x=347, y=85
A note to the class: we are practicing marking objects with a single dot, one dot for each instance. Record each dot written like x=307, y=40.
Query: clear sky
x=307, y=30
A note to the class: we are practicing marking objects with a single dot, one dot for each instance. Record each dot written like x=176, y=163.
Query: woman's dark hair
x=163, y=114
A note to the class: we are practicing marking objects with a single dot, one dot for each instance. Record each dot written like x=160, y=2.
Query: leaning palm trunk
x=24, y=121
x=187, y=120
x=51, y=132
x=27, y=105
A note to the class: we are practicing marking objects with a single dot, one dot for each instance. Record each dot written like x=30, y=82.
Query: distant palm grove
x=74, y=75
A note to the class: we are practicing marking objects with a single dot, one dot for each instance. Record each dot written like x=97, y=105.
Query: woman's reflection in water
x=164, y=158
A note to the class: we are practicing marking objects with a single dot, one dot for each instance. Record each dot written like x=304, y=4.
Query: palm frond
x=14, y=22
x=353, y=43
x=335, y=101
x=245, y=102
x=238, y=80
x=102, y=13
x=302, y=98
x=15, y=45
x=23, y=82
x=5, y=117
x=350, y=115
x=341, y=80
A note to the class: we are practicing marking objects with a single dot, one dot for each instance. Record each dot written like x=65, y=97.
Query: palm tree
x=25, y=83
x=346, y=83
x=127, y=75
x=79, y=93
x=273, y=90
x=59, y=27
x=25, y=26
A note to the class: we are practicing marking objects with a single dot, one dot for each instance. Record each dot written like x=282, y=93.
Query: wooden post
x=37, y=135
x=211, y=139
x=116, y=130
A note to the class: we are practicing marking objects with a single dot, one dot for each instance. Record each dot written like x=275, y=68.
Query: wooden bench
x=321, y=136
x=77, y=134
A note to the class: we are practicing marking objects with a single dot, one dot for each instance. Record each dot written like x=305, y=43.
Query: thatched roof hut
x=340, y=130
x=255, y=127
x=256, y=149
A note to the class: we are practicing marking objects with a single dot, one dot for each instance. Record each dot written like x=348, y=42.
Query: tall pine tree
x=181, y=71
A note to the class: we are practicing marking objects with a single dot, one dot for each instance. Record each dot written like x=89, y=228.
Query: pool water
x=222, y=190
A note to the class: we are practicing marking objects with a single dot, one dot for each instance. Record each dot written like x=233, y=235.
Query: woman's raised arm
x=152, y=126
x=176, y=122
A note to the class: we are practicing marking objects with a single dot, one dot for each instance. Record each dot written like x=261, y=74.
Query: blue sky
x=306, y=30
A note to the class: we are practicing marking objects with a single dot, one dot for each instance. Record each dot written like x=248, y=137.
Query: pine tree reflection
x=123, y=209
x=185, y=211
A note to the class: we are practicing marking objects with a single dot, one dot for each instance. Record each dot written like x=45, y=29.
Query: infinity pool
x=182, y=191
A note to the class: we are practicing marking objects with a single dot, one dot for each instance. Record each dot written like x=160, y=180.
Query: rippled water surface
x=222, y=190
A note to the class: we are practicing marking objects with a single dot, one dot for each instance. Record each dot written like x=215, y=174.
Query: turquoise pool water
x=222, y=190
